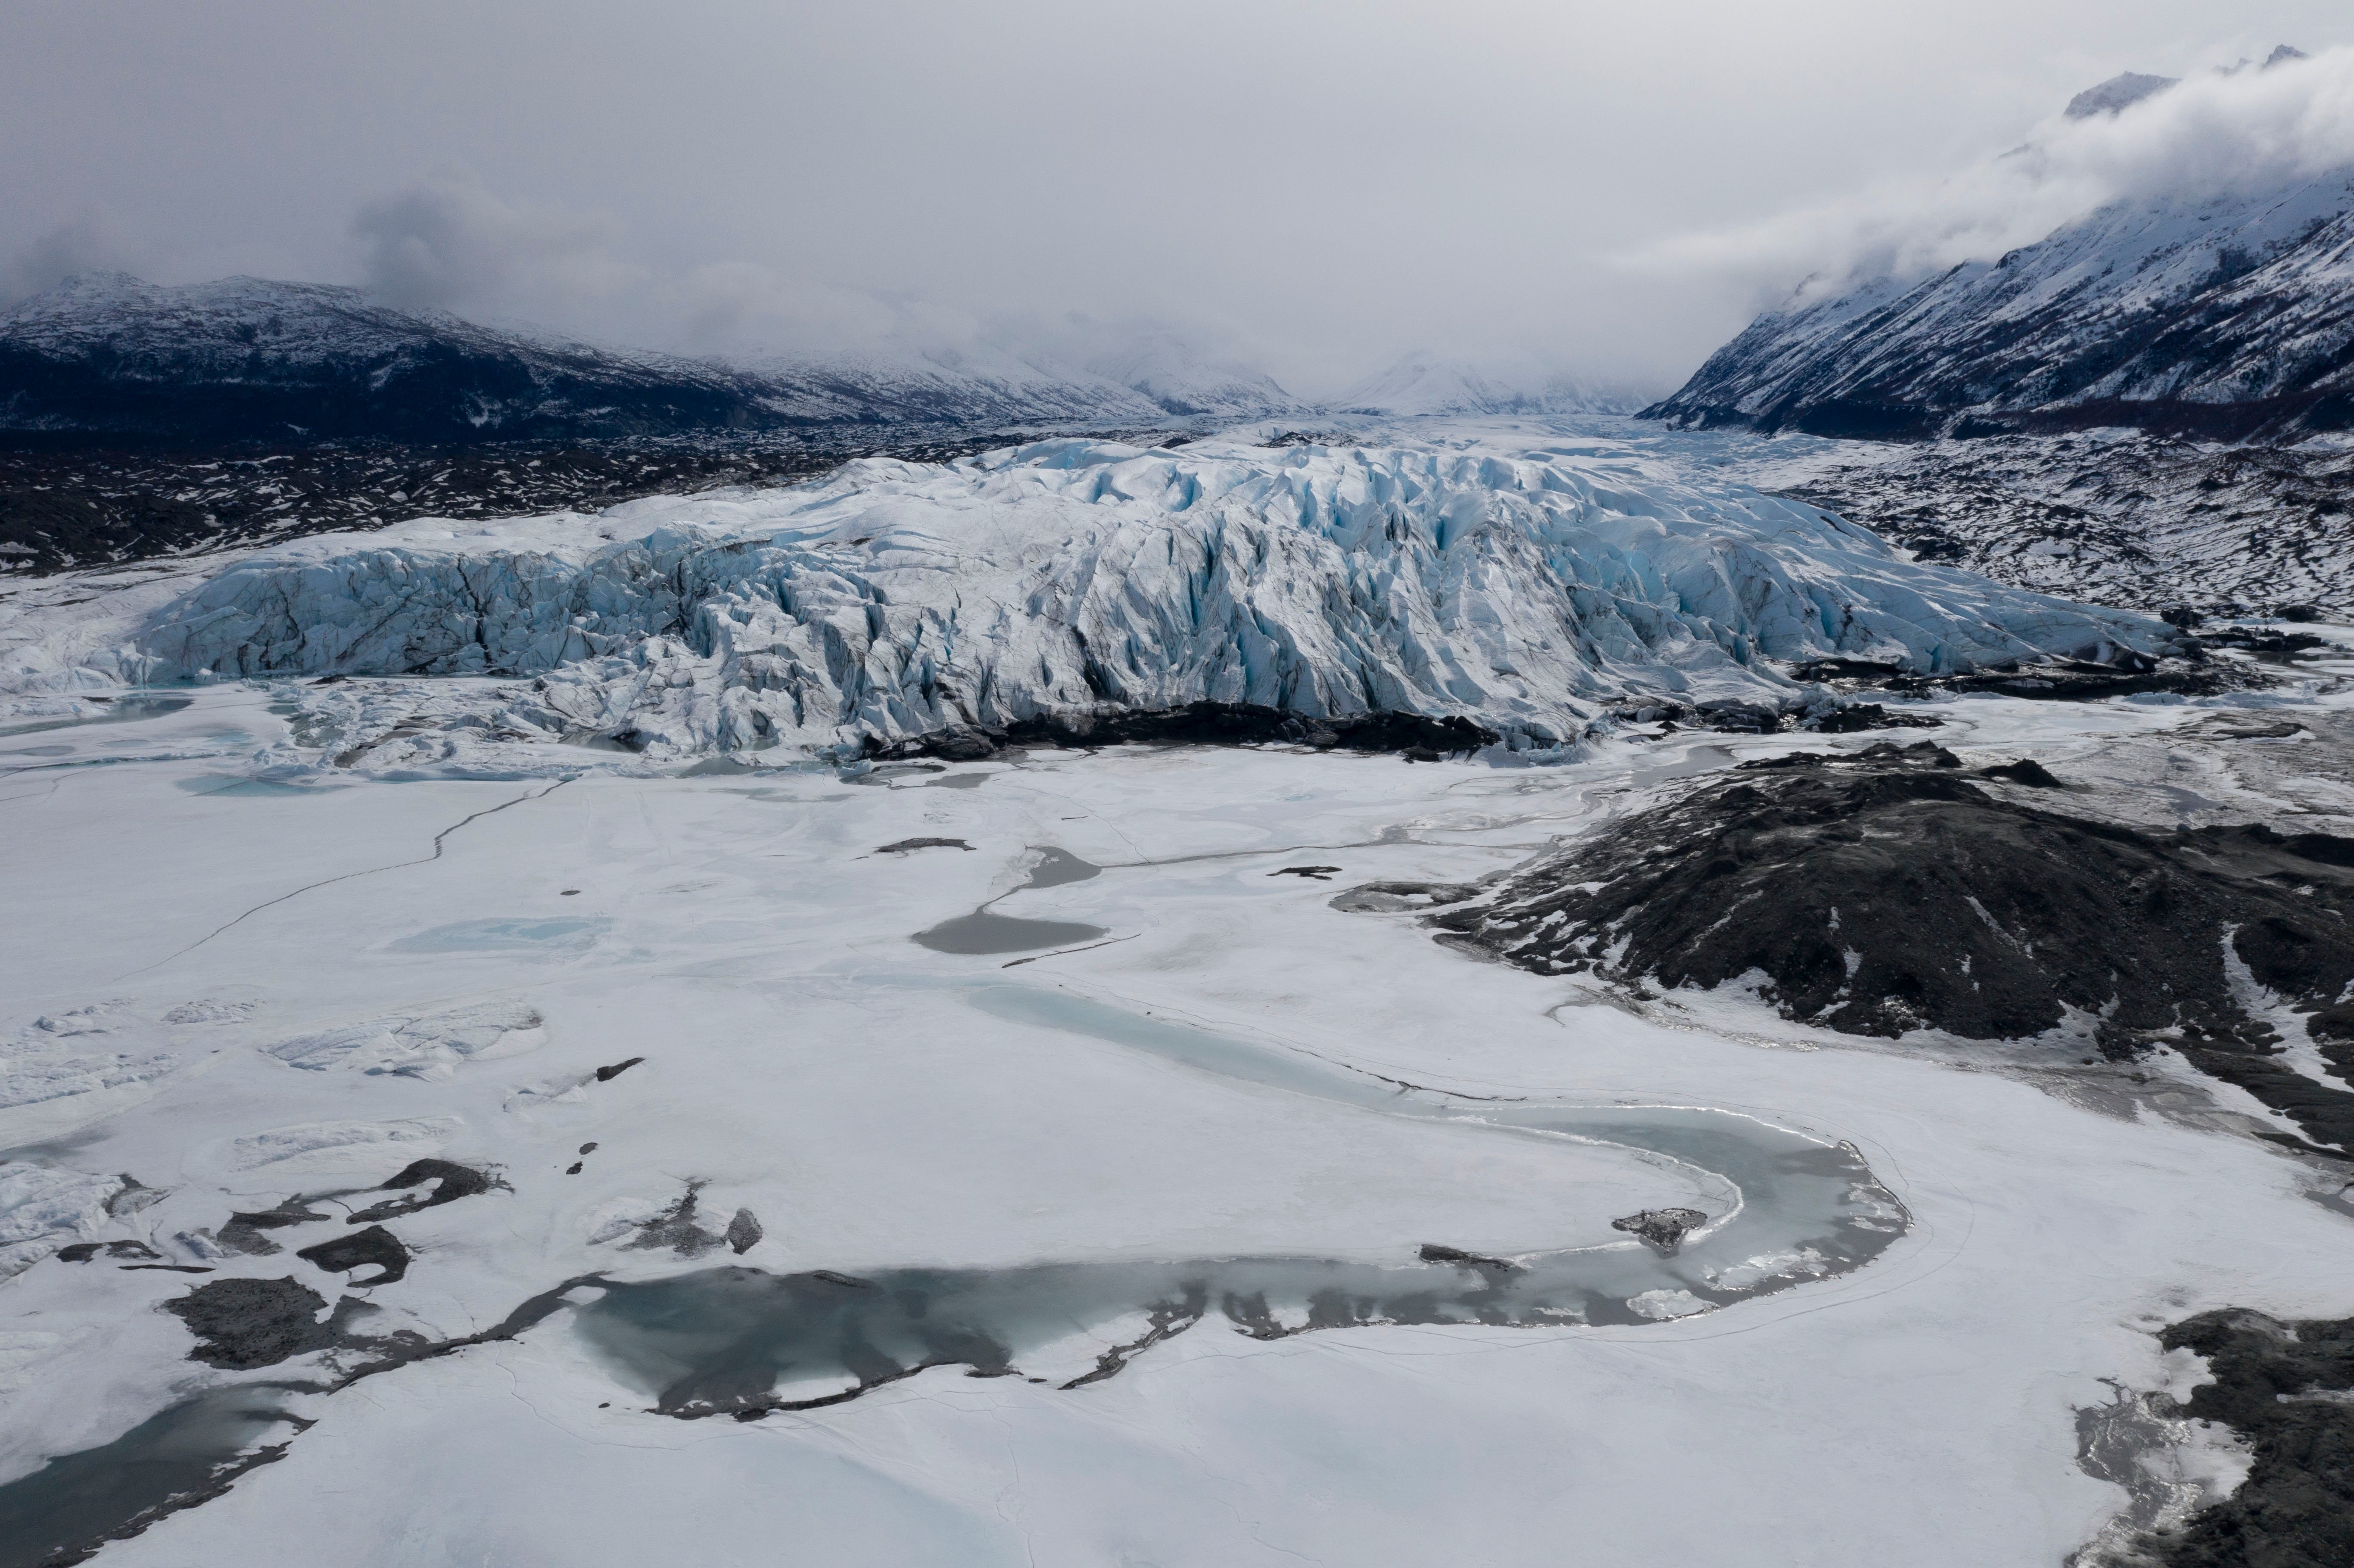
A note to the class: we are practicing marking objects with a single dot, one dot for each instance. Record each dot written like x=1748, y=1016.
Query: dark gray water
x=982, y=932
x=116, y=1489
x=1784, y=1208
x=1055, y=867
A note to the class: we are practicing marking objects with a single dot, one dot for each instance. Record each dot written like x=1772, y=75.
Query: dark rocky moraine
x=1201, y=724
x=451, y=1182
x=1886, y=891
x=244, y=1324
x=2287, y=1389
x=374, y=1247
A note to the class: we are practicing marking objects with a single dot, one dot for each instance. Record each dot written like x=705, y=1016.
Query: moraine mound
x=1887, y=891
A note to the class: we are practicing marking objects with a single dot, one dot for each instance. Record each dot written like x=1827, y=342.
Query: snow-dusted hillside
x=1525, y=589
x=2228, y=316
x=105, y=356
x=246, y=359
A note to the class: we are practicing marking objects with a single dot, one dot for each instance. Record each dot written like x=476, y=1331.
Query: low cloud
x=87, y=244
x=447, y=242
x=2238, y=131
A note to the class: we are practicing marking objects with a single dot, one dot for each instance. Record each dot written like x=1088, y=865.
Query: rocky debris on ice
x=374, y=1247
x=1417, y=738
x=450, y=1182
x=244, y=1324
x=1069, y=583
x=244, y=1231
x=1662, y=1230
x=1883, y=892
x=675, y=1227
x=2108, y=517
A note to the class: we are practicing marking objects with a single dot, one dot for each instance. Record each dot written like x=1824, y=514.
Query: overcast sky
x=1314, y=186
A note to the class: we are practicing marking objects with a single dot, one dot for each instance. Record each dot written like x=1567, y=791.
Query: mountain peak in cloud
x=2129, y=88
x=1425, y=382
x=2121, y=91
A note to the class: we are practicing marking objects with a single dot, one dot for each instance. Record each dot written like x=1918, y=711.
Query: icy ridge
x=1526, y=589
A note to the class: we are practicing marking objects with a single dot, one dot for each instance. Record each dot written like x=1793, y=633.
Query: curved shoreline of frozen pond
x=1785, y=1208
x=986, y=932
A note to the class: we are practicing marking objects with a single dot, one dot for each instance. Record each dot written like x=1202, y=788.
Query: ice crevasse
x=1527, y=589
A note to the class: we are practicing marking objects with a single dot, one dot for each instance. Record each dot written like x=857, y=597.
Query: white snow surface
x=1527, y=584
x=811, y=1065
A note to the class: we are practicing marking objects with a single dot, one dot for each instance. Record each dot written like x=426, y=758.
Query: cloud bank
x=2236, y=132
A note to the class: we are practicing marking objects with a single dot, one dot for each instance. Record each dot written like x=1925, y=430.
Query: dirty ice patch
x=418, y=1045
x=43, y=1209
x=342, y=1145
x=506, y=935
x=74, y=1052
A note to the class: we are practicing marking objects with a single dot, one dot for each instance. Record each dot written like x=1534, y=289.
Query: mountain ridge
x=108, y=357
x=2224, y=317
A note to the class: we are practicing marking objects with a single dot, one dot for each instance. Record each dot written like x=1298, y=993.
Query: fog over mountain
x=1512, y=190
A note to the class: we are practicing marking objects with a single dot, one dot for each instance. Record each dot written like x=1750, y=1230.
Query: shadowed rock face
x=1885, y=890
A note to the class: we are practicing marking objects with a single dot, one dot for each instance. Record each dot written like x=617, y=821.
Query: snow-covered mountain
x=2228, y=317
x=1528, y=590
x=247, y=359
x=107, y=357
x=1180, y=380
x=2120, y=91
x=1423, y=384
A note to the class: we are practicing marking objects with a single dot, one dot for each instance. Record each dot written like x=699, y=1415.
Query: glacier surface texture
x=1527, y=589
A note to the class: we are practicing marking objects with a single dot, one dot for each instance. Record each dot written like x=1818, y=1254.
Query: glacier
x=1533, y=589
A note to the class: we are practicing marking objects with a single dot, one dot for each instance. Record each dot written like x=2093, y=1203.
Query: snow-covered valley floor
x=238, y=992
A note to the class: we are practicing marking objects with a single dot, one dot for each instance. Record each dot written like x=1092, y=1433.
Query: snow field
x=812, y=1064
